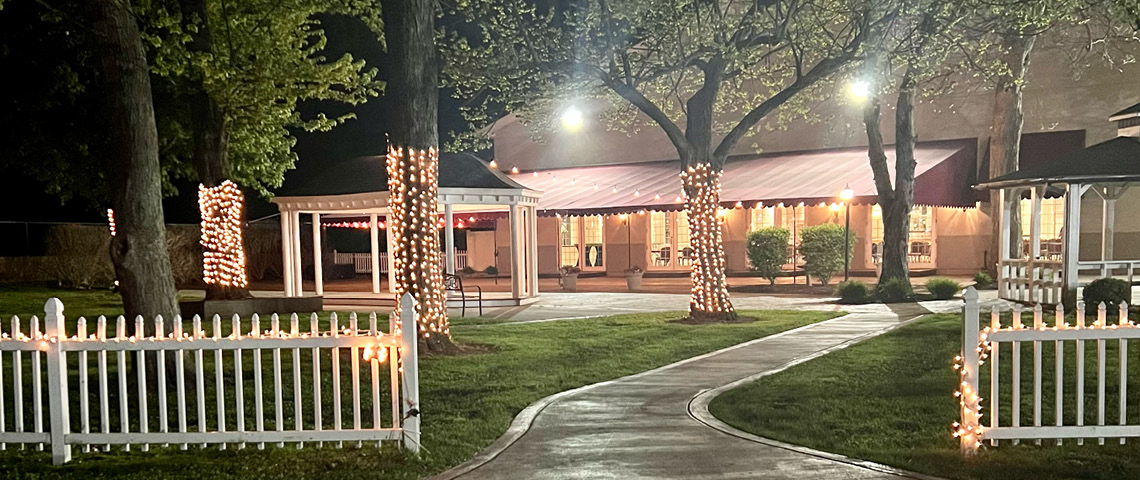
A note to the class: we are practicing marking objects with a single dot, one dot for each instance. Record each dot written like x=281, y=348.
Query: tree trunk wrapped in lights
x=413, y=182
x=709, y=300
x=223, y=255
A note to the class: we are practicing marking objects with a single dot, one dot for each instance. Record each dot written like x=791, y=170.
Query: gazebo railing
x=1109, y=268
x=1026, y=280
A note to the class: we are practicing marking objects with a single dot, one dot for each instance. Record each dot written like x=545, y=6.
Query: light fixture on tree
x=223, y=255
x=572, y=119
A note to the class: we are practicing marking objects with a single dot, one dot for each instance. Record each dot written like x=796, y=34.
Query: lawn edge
x=699, y=409
x=523, y=421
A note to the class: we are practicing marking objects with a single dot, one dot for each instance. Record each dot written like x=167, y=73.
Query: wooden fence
x=1003, y=346
x=103, y=391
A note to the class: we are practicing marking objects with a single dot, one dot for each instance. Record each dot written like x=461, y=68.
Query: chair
x=454, y=283
x=663, y=256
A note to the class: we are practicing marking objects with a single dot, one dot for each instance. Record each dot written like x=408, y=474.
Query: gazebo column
x=516, y=253
x=374, y=241
x=1034, y=240
x=295, y=238
x=449, y=239
x=391, y=243
x=532, y=249
x=318, y=268
x=1072, y=248
x=1005, y=271
x=286, y=255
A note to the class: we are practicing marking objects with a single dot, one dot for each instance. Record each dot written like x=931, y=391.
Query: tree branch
x=634, y=96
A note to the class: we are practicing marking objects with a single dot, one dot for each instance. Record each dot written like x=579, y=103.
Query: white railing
x=1038, y=280
x=109, y=408
x=990, y=344
x=1109, y=268
x=362, y=262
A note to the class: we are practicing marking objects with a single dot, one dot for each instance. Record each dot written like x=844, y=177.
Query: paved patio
x=646, y=425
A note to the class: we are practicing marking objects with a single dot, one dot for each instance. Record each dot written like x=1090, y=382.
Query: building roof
x=1115, y=160
x=944, y=174
x=369, y=174
x=1132, y=111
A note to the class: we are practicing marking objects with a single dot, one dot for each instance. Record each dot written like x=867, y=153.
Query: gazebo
x=359, y=187
x=1104, y=172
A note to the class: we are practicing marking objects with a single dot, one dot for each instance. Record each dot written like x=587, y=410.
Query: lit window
x=764, y=217
x=569, y=241
x=1052, y=218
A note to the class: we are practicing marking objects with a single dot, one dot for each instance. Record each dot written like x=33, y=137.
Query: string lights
x=412, y=185
x=701, y=185
x=223, y=257
x=111, y=221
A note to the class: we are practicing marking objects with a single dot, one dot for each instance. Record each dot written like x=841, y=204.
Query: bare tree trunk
x=138, y=249
x=413, y=165
x=210, y=159
x=1005, y=140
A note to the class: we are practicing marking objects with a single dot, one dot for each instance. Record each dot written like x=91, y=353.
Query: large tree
x=138, y=251
x=706, y=73
x=413, y=166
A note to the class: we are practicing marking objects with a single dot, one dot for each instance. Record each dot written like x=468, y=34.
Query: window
x=764, y=217
x=921, y=233
x=669, y=240
x=1052, y=218
x=580, y=242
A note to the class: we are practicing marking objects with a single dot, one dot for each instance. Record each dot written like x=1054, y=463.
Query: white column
x=516, y=270
x=295, y=237
x=1072, y=236
x=1108, y=230
x=318, y=268
x=1034, y=238
x=1003, y=245
x=449, y=239
x=286, y=258
x=532, y=248
x=375, y=243
x=391, y=243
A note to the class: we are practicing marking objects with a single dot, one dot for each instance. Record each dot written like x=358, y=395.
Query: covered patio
x=1045, y=273
x=359, y=188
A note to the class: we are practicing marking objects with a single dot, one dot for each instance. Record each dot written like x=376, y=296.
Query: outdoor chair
x=663, y=256
x=453, y=284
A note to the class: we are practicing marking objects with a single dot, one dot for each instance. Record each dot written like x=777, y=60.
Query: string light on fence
x=223, y=256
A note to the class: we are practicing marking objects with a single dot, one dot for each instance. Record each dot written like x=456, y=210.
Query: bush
x=491, y=270
x=853, y=291
x=983, y=280
x=768, y=251
x=822, y=248
x=942, y=288
x=1111, y=291
x=79, y=256
x=893, y=290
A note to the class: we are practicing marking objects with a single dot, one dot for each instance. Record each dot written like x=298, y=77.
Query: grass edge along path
x=889, y=400
x=468, y=401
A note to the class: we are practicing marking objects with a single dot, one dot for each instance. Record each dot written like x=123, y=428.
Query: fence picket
x=995, y=347
x=3, y=423
x=1037, y=325
x=54, y=345
x=1080, y=370
x=84, y=406
x=140, y=333
x=1122, y=319
x=258, y=395
x=1016, y=394
x=1059, y=372
x=1100, y=354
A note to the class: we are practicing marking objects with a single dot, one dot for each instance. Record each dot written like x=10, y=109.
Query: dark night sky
x=316, y=151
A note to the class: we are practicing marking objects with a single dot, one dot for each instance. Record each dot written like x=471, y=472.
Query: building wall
x=1126, y=243
x=962, y=240
x=620, y=253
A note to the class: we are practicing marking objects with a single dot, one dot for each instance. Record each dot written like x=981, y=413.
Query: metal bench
x=454, y=283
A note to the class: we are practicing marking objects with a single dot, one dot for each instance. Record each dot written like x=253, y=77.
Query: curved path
x=640, y=426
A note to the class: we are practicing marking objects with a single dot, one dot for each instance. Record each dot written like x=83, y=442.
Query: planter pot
x=633, y=281
x=570, y=283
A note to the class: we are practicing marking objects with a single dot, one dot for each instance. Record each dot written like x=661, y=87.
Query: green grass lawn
x=467, y=401
x=889, y=400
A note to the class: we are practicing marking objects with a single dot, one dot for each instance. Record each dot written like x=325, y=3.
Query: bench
x=454, y=283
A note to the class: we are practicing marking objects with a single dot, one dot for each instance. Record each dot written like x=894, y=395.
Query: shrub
x=942, y=288
x=491, y=270
x=822, y=248
x=467, y=270
x=569, y=270
x=893, y=290
x=983, y=280
x=853, y=291
x=767, y=251
x=1111, y=291
x=79, y=257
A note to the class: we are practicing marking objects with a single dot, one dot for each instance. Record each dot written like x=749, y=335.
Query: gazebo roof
x=1117, y=160
x=1127, y=112
x=369, y=174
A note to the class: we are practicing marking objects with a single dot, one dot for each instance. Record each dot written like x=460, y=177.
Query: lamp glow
x=572, y=119
x=860, y=89
x=847, y=194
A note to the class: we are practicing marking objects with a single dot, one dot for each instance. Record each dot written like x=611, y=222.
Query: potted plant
x=633, y=278
x=569, y=277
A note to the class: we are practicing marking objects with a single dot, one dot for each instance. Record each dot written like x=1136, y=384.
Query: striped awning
x=944, y=173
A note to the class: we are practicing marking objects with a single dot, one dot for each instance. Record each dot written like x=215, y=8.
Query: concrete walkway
x=640, y=426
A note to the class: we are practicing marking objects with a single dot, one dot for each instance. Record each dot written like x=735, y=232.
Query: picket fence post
x=57, y=381
x=969, y=400
x=409, y=358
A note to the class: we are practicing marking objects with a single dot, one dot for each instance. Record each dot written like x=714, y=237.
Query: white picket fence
x=362, y=262
x=107, y=407
x=995, y=342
